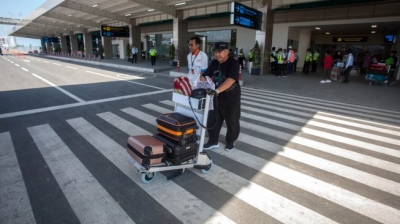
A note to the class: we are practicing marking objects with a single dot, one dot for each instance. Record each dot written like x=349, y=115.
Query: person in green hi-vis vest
x=153, y=55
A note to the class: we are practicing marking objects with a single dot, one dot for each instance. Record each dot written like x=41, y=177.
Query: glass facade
x=213, y=36
x=96, y=41
x=161, y=42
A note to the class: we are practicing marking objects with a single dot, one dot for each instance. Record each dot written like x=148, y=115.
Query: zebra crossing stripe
x=253, y=194
x=375, y=127
x=343, y=197
x=173, y=200
x=315, y=101
x=90, y=202
x=315, y=144
x=15, y=206
x=339, y=120
x=319, y=163
x=315, y=108
x=358, y=157
x=265, y=200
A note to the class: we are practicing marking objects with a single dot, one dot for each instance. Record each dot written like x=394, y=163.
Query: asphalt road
x=63, y=132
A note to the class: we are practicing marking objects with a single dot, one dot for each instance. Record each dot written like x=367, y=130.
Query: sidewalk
x=356, y=92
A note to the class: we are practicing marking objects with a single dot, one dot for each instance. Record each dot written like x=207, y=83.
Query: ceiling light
x=373, y=26
x=70, y=15
x=317, y=28
x=327, y=33
x=98, y=21
x=373, y=31
x=95, y=5
x=150, y=10
x=128, y=14
x=182, y=3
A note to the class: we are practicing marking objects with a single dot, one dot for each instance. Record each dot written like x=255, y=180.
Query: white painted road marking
x=112, y=77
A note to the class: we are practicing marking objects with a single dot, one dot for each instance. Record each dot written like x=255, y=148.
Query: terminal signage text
x=50, y=39
x=242, y=15
x=350, y=39
x=113, y=31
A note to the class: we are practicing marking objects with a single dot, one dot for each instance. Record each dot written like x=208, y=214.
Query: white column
x=304, y=44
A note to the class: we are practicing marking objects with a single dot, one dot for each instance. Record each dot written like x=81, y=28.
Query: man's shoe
x=209, y=146
x=327, y=81
x=229, y=147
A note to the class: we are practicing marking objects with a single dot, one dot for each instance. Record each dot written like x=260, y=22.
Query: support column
x=87, y=43
x=49, y=48
x=134, y=34
x=64, y=45
x=107, y=46
x=180, y=37
x=264, y=37
x=304, y=43
x=74, y=42
x=43, y=44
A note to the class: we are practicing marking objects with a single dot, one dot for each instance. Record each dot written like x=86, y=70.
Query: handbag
x=198, y=93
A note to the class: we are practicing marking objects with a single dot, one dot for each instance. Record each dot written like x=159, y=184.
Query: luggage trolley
x=202, y=160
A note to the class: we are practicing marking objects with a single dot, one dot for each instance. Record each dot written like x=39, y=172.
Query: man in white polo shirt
x=197, y=60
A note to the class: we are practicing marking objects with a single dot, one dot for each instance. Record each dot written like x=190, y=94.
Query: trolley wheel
x=148, y=177
x=208, y=168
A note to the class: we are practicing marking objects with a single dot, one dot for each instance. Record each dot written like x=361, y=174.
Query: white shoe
x=327, y=81
x=322, y=81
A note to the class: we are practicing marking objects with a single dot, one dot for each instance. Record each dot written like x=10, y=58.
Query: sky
x=19, y=9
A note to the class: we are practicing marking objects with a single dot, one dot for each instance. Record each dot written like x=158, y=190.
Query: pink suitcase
x=146, y=150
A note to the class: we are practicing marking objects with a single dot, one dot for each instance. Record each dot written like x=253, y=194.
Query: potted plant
x=128, y=52
x=255, y=70
x=172, y=60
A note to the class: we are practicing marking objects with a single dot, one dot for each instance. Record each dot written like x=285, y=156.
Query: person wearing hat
x=224, y=71
x=348, y=66
x=241, y=58
x=197, y=60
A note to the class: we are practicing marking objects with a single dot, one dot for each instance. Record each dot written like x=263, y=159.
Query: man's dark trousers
x=231, y=115
x=134, y=58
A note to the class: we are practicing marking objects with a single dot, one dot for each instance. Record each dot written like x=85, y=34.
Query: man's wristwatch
x=217, y=91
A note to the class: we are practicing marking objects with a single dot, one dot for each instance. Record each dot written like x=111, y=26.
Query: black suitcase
x=178, y=154
x=177, y=127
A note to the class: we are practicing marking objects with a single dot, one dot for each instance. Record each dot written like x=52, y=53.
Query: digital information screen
x=244, y=16
x=113, y=31
x=50, y=39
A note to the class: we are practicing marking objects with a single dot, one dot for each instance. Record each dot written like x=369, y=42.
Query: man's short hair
x=196, y=39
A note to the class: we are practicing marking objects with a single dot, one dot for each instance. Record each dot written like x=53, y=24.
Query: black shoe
x=230, y=146
x=209, y=146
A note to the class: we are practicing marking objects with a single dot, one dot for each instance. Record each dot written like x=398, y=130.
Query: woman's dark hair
x=196, y=39
x=328, y=52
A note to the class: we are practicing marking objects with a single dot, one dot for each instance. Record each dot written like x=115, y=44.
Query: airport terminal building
x=71, y=26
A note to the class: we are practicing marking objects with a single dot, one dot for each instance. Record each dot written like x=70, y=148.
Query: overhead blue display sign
x=50, y=39
x=113, y=31
x=244, y=16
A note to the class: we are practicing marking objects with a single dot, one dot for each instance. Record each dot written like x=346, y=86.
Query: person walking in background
x=251, y=55
x=315, y=57
x=295, y=60
x=338, y=57
x=307, y=61
x=272, y=61
x=153, y=55
x=241, y=58
x=291, y=57
x=328, y=62
x=1, y=51
x=224, y=71
x=280, y=60
x=366, y=62
x=197, y=60
x=348, y=66
x=134, y=53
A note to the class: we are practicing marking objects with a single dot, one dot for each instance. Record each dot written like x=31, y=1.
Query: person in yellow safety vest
x=315, y=58
x=272, y=61
x=241, y=58
x=251, y=55
x=307, y=61
x=153, y=55
x=281, y=63
x=290, y=61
